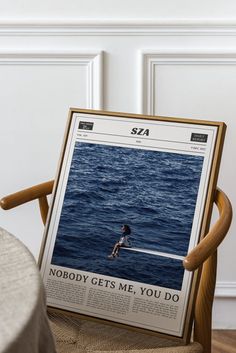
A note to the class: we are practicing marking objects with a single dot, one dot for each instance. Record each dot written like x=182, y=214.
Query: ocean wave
x=153, y=192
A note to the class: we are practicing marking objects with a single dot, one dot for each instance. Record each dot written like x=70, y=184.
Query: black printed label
x=199, y=137
x=85, y=125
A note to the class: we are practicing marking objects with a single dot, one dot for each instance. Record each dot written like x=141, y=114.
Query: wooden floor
x=224, y=341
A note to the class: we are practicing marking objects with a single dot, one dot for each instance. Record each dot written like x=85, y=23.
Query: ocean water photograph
x=124, y=208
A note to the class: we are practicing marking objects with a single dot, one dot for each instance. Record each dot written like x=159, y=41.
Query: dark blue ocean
x=153, y=192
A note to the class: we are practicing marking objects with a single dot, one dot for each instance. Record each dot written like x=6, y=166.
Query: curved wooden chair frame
x=203, y=256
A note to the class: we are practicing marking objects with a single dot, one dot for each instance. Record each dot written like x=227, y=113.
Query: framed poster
x=132, y=197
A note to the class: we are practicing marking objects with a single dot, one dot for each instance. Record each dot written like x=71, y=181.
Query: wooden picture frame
x=156, y=177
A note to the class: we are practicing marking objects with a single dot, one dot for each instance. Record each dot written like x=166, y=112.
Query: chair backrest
x=207, y=282
x=202, y=258
x=205, y=254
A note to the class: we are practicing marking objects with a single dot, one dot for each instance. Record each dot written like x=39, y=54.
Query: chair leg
x=203, y=306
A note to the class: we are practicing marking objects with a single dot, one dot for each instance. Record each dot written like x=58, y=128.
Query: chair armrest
x=208, y=245
x=26, y=195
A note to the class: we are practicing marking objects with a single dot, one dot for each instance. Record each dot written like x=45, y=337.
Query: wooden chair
x=204, y=256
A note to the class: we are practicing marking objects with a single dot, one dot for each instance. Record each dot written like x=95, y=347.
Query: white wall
x=124, y=9
x=97, y=54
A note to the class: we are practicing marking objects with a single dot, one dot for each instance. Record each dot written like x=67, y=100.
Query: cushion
x=74, y=335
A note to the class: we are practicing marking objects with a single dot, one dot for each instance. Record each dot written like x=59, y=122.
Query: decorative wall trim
x=66, y=27
x=225, y=290
x=224, y=307
x=151, y=60
x=92, y=61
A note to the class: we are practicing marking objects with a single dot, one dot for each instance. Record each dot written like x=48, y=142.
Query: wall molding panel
x=100, y=27
x=225, y=290
x=92, y=62
x=224, y=306
x=151, y=60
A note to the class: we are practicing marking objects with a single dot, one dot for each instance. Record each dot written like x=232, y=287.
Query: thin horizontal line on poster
x=129, y=144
